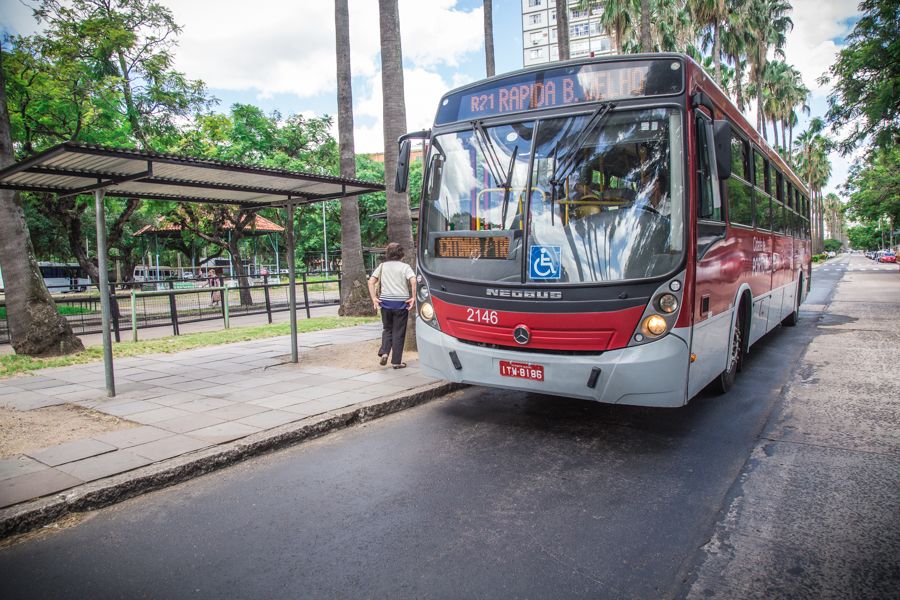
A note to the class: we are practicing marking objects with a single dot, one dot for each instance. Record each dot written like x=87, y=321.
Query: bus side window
x=709, y=199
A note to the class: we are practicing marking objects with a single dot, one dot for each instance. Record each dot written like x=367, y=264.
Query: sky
x=279, y=54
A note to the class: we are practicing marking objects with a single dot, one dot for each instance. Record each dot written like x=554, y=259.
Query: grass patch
x=14, y=364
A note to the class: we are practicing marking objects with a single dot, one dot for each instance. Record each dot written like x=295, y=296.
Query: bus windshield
x=605, y=201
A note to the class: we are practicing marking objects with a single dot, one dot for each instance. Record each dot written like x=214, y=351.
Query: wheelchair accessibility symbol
x=544, y=262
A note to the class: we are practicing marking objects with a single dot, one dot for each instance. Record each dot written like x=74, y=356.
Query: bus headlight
x=655, y=325
x=667, y=303
x=426, y=311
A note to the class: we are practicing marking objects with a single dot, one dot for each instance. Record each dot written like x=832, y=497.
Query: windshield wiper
x=564, y=170
x=492, y=160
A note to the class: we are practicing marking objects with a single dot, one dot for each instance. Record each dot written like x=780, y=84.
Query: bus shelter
x=71, y=168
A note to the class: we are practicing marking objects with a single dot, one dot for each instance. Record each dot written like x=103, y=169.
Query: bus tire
x=725, y=380
x=794, y=317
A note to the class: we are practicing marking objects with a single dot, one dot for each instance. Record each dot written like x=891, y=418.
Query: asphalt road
x=482, y=494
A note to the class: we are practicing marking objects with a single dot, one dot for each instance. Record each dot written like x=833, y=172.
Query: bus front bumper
x=653, y=374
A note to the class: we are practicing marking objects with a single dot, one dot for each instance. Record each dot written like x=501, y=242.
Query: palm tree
x=645, y=26
x=562, y=29
x=812, y=150
x=617, y=16
x=399, y=227
x=489, y=37
x=736, y=42
x=354, y=292
x=35, y=326
x=767, y=23
x=710, y=14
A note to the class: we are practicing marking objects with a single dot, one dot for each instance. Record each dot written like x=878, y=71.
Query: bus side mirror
x=437, y=172
x=722, y=141
x=402, y=179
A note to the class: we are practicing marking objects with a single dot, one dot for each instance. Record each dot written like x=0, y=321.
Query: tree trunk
x=717, y=54
x=489, y=37
x=399, y=220
x=35, y=326
x=354, y=293
x=738, y=78
x=562, y=29
x=646, y=42
x=821, y=221
x=234, y=247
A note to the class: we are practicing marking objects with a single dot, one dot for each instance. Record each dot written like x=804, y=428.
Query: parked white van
x=145, y=273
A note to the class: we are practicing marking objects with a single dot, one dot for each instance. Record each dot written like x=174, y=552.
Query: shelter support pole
x=292, y=279
x=104, y=292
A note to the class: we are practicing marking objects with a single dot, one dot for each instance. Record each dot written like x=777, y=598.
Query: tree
x=354, y=293
x=646, y=44
x=864, y=237
x=813, y=165
x=489, y=37
x=562, y=29
x=711, y=14
x=768, y=24
x=873, y=188
x=394, y=117
x=866, y=78
x=832, y=245
x=736, y=41
x=35, y=326
x=617, y=16
x=250, y=136
x=101, y=71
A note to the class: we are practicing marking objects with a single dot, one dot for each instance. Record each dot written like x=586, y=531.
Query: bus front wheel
x=735, y=355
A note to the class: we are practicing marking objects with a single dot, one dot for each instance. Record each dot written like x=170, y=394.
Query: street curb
x=34, y=514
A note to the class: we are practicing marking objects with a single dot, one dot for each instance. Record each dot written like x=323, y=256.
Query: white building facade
x=586, y=35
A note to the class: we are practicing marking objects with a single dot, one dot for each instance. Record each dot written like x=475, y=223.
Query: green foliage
x=874, y=187
x=866, y=77
x=867, y=236
x=833, y=245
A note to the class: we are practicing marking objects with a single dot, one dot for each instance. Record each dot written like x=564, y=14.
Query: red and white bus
x=610, y=229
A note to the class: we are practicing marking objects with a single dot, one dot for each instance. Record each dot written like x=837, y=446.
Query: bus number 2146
x=476, y=315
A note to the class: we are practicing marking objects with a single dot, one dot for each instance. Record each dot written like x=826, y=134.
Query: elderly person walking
x=396, y=299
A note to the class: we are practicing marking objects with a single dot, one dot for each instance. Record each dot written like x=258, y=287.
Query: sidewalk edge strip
x=33, y=514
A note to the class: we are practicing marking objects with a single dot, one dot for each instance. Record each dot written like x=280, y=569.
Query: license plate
x=521, y=370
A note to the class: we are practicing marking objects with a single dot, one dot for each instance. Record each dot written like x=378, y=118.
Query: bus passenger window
x=762, y=210
x=710, y=204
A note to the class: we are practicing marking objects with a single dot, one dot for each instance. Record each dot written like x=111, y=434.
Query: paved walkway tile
x=134, y=436
x=168, y=447
x=20, y=465
x=236, y=411
x=71, y=451
x=124, y=409
x=163, y=413
x=225, y=432
x=34, y=485
x=104, y=465
x=271, y=418
x=189, y=423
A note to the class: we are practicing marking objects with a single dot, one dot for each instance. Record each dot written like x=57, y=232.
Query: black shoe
x=383, y=360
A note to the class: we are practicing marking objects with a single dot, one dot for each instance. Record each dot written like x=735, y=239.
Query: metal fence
x=174, y=303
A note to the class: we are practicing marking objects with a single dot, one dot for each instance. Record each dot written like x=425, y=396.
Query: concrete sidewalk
x=188, y=402
x=816, y=510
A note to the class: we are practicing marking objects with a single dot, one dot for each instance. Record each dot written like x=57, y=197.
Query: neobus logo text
x=525, y=294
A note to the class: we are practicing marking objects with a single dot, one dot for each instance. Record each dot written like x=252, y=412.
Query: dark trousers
x=393, y=335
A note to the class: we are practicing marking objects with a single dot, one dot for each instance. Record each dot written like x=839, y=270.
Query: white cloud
x=281, y=46
x=423, y=90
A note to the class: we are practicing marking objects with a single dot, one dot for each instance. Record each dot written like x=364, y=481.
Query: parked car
x=888, y=257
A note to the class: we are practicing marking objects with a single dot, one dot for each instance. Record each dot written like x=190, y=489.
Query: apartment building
x=586, y=35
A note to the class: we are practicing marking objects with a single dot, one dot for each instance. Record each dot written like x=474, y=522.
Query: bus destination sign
x=564, y=86
x=472, y=247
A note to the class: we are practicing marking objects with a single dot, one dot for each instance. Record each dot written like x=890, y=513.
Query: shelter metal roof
x=72, y=168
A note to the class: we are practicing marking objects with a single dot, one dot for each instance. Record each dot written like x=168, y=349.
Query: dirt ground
x=363, y=357
x=24, y=431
